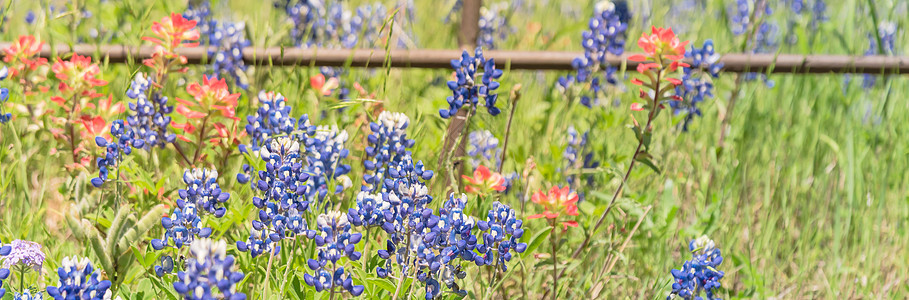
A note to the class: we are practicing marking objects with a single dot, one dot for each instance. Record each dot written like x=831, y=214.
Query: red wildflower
x=556, y=202
x=324, y=87
x=484, y=181
x=211, y=97
x=78, y=75
x=662, y=41
x=22, y=53
x=174, y=31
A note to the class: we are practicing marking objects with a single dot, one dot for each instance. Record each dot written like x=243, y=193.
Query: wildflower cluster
x=501, y=234
x=817, y=10
x=78, y=280
x=483, y=149
x=699, y=274
x=150, y=117
x=271, y=119
x=283, y=185
x=697, y=81
x=202, y=195
x=887, y=33
x=172, y=32
x=206, y=113
x=388, y=144
x=325, y=162
x=209, y=273
x=333, y=241
x=4, y=272
x=484, y=182
x=606, y=36
x=22, y=57
x=744, y=14
x=23, y=254
x=493, y=25
x=467, y=90
x=556, y=202
x=577, y=157
x=226, y=41
x=315, y=25
x=4, y=96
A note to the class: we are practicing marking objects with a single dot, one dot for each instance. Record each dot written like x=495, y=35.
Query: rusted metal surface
x=529, y=60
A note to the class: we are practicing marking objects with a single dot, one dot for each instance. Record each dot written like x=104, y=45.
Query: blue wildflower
x=226, y=41
x=765, y=36
x=699, y=274
x=4, y=272
x=4, y=96
x=30, y=17
x=28, y=294
x=467, y=90
x=283, y=185
x=121, y=143
x=502, y=232
x=697, y=81
x=606, y=36
x=202, y=189
x=271, y=119
x=887, y=32
x=151, y=117
x=324, y=162
x=209, y=273
x=493, y=25
x=577, y=149
x=78, y=280
x=333, y=241
x=388, y=144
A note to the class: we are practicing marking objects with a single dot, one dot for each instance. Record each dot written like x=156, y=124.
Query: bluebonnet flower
x=577, y=149
x=764, y=39
x=408, y=195
x=209, y=273
x=324, y=162
x=229, y=40
x=887, y=32
x=483, y=147
x=4, y=96
x=388, y=144
x=4, y=272
x=151, y=117
x=493, y=25
x=30, y=17
x=121, y=143
x=315, y=25
x=697, y=81
x=25, y=255
x=467, y=90
x=606, y=36
x=183, y=227
x=271, y=119
x=370, y=210
x=28, y=294
x=226, y=41
x=78, y=280
x=202, y=189
x=501, y=233
x=699, y=274
x=284, y=200
x=333, y=241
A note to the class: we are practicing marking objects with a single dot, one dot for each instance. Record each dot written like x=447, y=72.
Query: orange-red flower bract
x=484, y=181
x=556, y=202
x=662, y=41
x=211, y=97
x=22, y=53
x=174, y=31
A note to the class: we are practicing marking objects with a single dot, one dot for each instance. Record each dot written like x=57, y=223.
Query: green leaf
x=536, y=241
x=98, y=245
x=382, y=283
x=112, y=232
x=132, y=236
x=649, y=163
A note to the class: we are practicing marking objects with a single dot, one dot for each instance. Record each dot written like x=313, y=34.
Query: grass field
x=805, y=192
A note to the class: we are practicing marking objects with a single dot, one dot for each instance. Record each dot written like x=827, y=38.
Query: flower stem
x=655, y=106
x=553, y=239
x=515, y=96
x=271, y=256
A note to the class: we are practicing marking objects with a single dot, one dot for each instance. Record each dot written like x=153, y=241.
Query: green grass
x=807, y=199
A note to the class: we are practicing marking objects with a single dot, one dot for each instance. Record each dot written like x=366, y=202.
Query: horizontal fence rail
x=525, y=60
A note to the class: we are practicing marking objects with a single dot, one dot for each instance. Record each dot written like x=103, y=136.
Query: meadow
x=160, y=179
